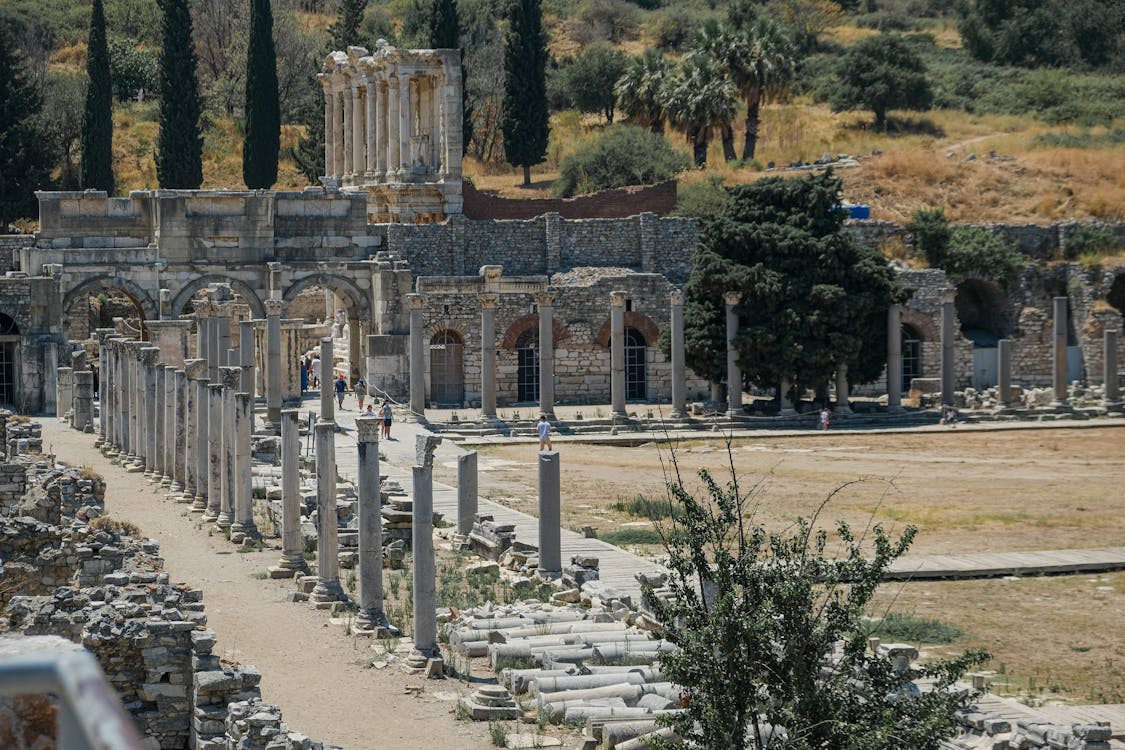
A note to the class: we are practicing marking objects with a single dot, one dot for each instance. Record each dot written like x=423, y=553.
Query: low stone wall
x=618, y=203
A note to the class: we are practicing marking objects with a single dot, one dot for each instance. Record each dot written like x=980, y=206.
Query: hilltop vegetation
x=1039, y=87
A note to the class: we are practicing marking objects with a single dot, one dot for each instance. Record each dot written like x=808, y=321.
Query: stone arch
x=983, y=310
x=1116, y=294
x=137, y=295
x=358, y=302
x=525, y=323
x=923, y=325
x=257, y=307
x=633, y=319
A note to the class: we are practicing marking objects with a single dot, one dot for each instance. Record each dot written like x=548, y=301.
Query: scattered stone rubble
x=982, y=730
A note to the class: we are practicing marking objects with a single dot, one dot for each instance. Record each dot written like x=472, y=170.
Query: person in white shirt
x=544, y=430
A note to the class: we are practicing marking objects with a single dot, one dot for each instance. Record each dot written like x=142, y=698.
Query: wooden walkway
x=619, y=567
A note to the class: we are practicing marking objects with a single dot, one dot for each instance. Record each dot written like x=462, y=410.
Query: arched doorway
x=911, y=356
x=527, y=366
x=9, y=345
x=100, y=301
x=447, y=369
x=636, y=370
x=1116, y=296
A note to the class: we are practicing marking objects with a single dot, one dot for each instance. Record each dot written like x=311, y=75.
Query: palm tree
x=716, y=41
x=699, y=101
x=762, y=66
x=638, y=90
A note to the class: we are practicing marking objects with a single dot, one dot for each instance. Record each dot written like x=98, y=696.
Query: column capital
x=195, y=369
x=230, y=377
x=203, y=307
x=416, y=301
x=150, y=355
x=676, y=296
x=617, y=299
x=732, y=298
x=273, y=308
x=367, y=429
x=544, y=299
x=488, y=301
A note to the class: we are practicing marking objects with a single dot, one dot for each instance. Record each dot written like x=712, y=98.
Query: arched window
x=527, y=366
x=447, y=369
x=636, y=374
x=911, y=356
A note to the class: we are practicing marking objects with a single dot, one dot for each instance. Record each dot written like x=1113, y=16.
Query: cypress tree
x=445, y=33
x=97, y=119
x=179, y=148
x=25, y=158
x=524, y=119
x=263, y=109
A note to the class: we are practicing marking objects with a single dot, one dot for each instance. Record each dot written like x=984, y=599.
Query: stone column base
x=288, y=566
x=419, y=663
x=325, y=594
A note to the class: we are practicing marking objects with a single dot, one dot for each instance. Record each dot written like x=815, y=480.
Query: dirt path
x=309, y=667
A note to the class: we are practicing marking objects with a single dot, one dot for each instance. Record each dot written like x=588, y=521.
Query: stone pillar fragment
x=1059, y=351
x=328, y=587
x=273, y=366
x=545, y=307
x=168, y=434
x=488, y=355
x=64, y=399
x=734, y=372
x=550, y=532
x=242, y=485
x=1109, y=374
x=231, y=377
x=329, y=130
x=327, y=380
x=196, y=456
x=894, y=358
x=246, y=357
x=182, y=440
x=214, y=472
x=425, y=584
x=679, y=368
x=370, y=526
x=84, y=401
x=417, y=305
x=292, y=544
x=842, y=389
x=148, y=425
x=466, y=492
x=948, y=351
x=617, y=353
x=1004, y=367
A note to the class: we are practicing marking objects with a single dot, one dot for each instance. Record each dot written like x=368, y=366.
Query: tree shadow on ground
x=902, y=126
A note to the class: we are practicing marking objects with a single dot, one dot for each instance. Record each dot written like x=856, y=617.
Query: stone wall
x=1036, y=241
x=659, y=199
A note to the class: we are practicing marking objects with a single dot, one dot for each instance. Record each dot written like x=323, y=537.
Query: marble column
x=842, y=389
x=273, y=365
x=355, y=350
x=370, y=525
x=171, y=426
x=195, y=441
x=417, y=306
x=327, y=380
x=329, y=130
x=422, y=536
x=948, y=351
x=550, y=518
x=214, y=350
x=182, y=439
x=381, y=130
x=679, y=368
x=617, y=353
x=136, y=388
x=543, y=302
x=1109, y=372
x=349, y=136
x=328, y=587
x=1059, y=351
x=63, y=403
x=222, y=338
x=242, y=484
x=787, y=409
x=488, y=356
x=246, y=357
x=1004, y=367
x=403, y=124
x=734, y=372
x=370, y=97
x=359, y=132
x=466, y=492
x=392, y=120
x=292, y=543
x=149, y=427
x=214, y=472
x=894, y=359
x=230, y=377
x=84, y=401
x=154, y=469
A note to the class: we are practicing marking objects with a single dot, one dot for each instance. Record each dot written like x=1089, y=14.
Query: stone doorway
x=636, y=366
x=527, y=367
x=9, y=347
x=447, y=369
x=911, y=356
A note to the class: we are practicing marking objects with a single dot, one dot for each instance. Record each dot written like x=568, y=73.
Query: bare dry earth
x=966, y=491
x=309, y=667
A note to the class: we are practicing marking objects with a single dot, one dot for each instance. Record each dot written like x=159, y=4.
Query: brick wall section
x=618, y=203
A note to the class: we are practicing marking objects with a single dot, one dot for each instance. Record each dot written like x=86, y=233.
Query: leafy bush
x=929, y=229
x=612, y=20
x=1090, y=240
x=976, y=252
x=895, y=626
x=623, y=155
x=654, y=509
x=702, y=199
x=672, y=28
x=1084, y=139
x=132, y=69
x=631, y=536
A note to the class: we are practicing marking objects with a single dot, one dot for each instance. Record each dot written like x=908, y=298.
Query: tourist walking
x=544, y=430
x=341, y=386
x=385, y=413
x=314, y=372
x=360, y=392
x=824, y=418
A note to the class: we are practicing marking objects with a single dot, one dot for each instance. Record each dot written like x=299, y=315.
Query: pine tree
x=263, y=109
x=97, y=119
x=524, y=121
x=344, y=31
x=179, y=148
x=445, y=33
x=25, y=157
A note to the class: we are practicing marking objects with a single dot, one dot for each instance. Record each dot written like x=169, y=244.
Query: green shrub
x=623, y=155
x=654, y=509
x=1090, y=240
x=1083, y=139
x=632, y=536
x=901, y=627
x=929, y=229
x=702, y=199
x=978, y=252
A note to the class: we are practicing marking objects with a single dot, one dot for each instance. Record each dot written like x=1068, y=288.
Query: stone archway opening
x=983, y=311
x=911, y=356
x=99, y=305
x=228, y=302
x=9, y=356
x=447, y=369
x=339, y=306
x=1116, y=296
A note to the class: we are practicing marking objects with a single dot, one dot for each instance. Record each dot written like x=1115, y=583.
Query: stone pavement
x=617, y=567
